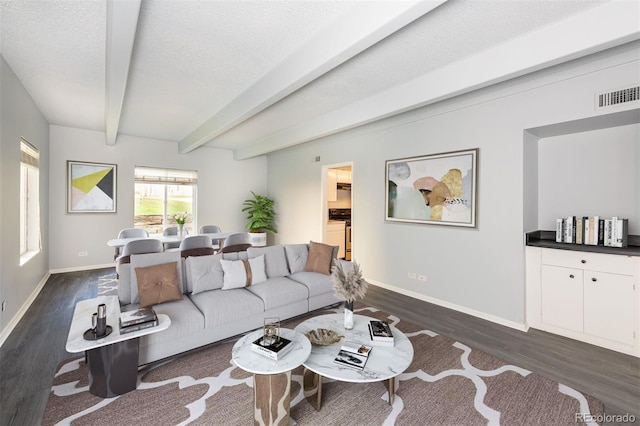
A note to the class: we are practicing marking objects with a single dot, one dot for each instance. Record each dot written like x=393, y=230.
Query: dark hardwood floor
x=30, y=355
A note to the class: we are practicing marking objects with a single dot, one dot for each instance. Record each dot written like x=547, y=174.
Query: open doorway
x=337, y=207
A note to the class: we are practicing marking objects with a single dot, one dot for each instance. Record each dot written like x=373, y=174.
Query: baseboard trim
x=81, y=268
x=453, y=306
x=23, y=309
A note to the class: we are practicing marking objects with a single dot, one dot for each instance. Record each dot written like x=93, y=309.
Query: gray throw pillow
x=296, y=256
x=204, y=273
x=274, y=258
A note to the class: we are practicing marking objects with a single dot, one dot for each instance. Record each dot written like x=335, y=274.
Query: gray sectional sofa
x=209, y=311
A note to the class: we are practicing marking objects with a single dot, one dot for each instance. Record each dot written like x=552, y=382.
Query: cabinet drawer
x=617, y=264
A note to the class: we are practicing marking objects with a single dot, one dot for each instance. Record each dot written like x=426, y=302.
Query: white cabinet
x=343, y=176
x=336, y=236
x=332, y=185
x=592, y=297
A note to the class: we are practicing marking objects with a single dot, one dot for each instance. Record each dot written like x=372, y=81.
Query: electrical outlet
x=422, y=277
x=83, y=253
x=412, y=275
x=4, y=305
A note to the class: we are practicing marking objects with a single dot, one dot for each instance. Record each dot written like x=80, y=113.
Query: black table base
x=113, y=369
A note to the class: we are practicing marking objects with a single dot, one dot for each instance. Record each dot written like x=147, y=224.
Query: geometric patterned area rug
x=448, y=383
x=108, y=285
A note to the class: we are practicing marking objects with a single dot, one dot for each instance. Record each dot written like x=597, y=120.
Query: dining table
x=121, y=242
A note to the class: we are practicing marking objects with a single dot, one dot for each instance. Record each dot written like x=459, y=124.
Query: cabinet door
x=561, y=294
x=608, y=306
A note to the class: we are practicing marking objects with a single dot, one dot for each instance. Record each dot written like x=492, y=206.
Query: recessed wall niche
x=587, y=167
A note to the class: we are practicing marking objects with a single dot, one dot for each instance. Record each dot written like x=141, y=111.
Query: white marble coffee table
x=112, y=360
x=384, y=362
x=271, y=379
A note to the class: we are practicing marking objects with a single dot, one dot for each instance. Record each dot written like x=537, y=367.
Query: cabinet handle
x=583, y=261
x=571, y=276
x=594, y=279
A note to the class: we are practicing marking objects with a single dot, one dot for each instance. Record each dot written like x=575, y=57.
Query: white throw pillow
x=243, y=273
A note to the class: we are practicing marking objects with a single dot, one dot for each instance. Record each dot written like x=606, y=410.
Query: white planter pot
x=258, y=239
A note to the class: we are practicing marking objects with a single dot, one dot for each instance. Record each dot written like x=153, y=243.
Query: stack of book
x=592, y=231
x=353, y=355
x=380, y=333
x=275, y=350
x=137, y=320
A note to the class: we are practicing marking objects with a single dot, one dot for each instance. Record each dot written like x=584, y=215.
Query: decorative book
x=275, y=351
x=380, y=333
x=139, y=316
x=139, y=326
x=353, y=355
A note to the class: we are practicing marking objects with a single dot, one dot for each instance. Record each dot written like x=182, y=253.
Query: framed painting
x=91, y=187
x=437, y=189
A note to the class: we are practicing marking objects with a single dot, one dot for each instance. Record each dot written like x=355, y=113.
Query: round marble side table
x=271, y=379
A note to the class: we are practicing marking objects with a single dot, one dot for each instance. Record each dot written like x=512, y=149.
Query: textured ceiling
x=257, y=76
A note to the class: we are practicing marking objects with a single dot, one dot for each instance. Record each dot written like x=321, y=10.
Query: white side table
x=271, y=379
x=112, y=360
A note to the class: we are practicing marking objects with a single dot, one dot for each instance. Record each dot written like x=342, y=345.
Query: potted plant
x=261, y=217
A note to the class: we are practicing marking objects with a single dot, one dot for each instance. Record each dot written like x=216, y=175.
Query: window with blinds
x=30, y=241
x=160, y=194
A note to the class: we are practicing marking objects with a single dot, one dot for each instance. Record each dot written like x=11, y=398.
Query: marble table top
x=82, y=321
x=120, y=242
x=244, y=357
x=385, y=362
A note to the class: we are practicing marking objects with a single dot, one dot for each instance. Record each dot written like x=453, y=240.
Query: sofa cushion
x=243, y=273
x=275, y=260
x=149, y=259
x=226, y=306
x=158, y=284
x=315, y=282
x=296, y=256
x=320, y=258
x=279, y=291
x=204, y=273
x=186, y=319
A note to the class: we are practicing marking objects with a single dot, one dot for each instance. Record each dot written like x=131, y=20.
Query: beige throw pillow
x=320, y=258
x=158, y=284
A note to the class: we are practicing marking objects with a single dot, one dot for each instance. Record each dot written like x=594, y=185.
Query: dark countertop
x=547, y=239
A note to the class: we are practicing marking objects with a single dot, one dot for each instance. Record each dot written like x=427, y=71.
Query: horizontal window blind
x=165, y=176
x=29, y=154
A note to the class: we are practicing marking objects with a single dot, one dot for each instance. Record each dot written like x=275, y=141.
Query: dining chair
x=212, y=229
x=129, y=233
x=196, y=245
x=238, y=241
x=173, y=231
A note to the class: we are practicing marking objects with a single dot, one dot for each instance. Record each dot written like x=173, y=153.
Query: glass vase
x=348, y=314
x=180, y=230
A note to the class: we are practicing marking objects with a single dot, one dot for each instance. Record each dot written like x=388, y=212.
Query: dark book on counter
x=275, y=351
x=139, y=326
x=142, y=315
x=353, y=355
x=380, y=333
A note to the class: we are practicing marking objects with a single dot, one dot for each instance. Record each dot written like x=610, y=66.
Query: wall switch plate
x=422, y=277
x=412, y=275
x=82, y=253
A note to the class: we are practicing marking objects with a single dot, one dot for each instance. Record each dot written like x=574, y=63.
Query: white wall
x=594, y=173
x=19, y=117
x=223, y=184
x=480, y=270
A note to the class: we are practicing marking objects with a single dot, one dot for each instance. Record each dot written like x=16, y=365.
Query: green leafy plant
x=260, y=213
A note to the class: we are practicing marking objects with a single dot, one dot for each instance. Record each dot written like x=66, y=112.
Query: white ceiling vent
x=617, y=97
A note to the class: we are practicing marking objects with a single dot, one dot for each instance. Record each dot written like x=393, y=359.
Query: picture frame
x=91, y=187
x=434, y=189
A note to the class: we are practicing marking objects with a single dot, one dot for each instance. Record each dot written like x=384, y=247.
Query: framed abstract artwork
x=437, y=189
x=91, y=187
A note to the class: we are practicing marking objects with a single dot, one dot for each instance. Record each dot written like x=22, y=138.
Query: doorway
x=337, y=206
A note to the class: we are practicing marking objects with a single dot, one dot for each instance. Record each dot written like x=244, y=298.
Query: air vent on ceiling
x=617, y=97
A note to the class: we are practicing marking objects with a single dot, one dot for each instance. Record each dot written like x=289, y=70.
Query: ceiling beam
x=572, y=38
x=343, y=39
x=122, y=24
